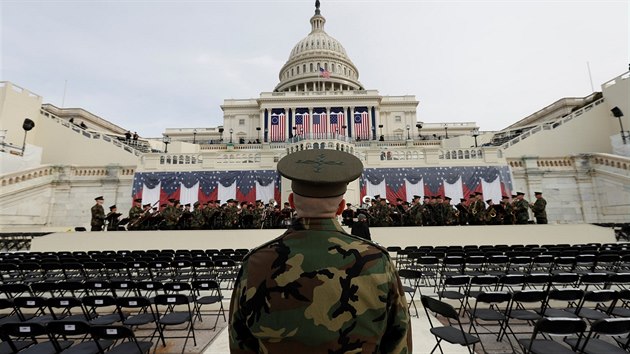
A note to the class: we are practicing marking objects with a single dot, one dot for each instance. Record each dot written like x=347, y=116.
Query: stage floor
x=387, y=236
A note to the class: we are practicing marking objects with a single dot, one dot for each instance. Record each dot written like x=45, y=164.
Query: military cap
x=447, y=198
x=462, y=199
x=243, y=203
x=348, y=204
x=196, y=204
x=399, y=200
x=320, y=173
x=438, y=196
x=505, y=197
x=489, y=201
x=146, y=205
x=259, y=201
x=187, y=204
x=471, y=195
x=427, y=197
x=520, y=193
x=99, y=198
x=113, y=207
x=537, y=193
x=433, y=197
x=478, y=193
x=218, y=201
x=416, y=197
x=172, y=200
x=513, y=195
x=378, y=196
x=138, y=200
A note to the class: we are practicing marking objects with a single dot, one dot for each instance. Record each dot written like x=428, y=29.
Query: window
x=298, y=70
x=241, y=121
x=398, y=119
x=311, y=67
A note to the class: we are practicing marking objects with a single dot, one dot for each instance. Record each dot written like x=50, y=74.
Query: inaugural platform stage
x=386, y=236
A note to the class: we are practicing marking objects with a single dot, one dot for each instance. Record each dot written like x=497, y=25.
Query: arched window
x=311, y=67
x=303, y=68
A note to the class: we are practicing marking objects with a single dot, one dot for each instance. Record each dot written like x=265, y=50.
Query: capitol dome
x=318, y=63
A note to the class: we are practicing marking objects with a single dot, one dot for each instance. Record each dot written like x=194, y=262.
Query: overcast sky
x=151, y=65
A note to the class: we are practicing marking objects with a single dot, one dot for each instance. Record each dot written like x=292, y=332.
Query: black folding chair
x=126, y=342
x=488, y=309
x=168, y=315
x=101, y=309
x=211, y=295
x=552, y=326
x=411, y=285
x=31, y=331
x=571, y=297
x=79, y=332
x=526, y=305
x=449, y=333
x=609, y=327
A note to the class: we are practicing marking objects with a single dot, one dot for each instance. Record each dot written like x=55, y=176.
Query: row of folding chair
x=137, y=270
x=71, y=337
x=573, y=331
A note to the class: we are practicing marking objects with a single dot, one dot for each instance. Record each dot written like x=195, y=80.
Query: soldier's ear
x=291, y=201
x=341, y=206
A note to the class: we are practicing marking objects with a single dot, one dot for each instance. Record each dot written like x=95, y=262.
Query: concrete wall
x=386, y=236
x=61, y=197
x=16, y=104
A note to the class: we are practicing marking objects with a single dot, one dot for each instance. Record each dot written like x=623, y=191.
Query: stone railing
x=461, y=154
x=551, y=125
x=612, y=161
x=616, y=80
x=136, y=149
x=27, y=175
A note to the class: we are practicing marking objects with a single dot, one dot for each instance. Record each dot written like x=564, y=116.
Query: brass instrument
x=493, y=213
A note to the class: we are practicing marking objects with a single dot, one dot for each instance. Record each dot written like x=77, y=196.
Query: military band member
x=521, y=209
x=230, y=215
x=170, y=215
x=317, y=288
x=462, y=211
x=347, y=216
x=112, y=218
x=508, y=210
x=98, y=215
x=478, y=210
x=539, y=208
x=136, y=210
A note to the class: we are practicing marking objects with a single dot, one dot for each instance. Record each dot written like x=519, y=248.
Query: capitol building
x=574, y=150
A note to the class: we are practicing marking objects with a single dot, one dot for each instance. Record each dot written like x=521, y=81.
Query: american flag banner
x=319, y=123
x=324, y=73
x=209, y=184
x=471, y=178
x=278, y=125
x=302, y=122
x=362, y=125
x=337, y=121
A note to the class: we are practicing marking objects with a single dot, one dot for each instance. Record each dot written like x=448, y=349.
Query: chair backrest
x=611, y=326
x=171, y=299
x=24, y=329
x=566, y=294
x=529, y=296
x=494, y=297
x=559, y=326
x=68, y=328
x=409, y=273
x=111, y=332
x=439, y=307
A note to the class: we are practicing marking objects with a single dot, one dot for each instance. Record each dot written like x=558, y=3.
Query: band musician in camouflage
x=316, y=288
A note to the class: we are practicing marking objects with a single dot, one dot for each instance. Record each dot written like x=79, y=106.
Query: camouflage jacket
x=317, y=289
x=539, y=208
x=98, y=215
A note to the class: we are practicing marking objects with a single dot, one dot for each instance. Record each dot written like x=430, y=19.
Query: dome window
x=312, y=67
x=304, y=68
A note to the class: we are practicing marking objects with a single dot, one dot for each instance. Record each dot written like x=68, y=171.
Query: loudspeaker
x=28, y=124
x=617, y=112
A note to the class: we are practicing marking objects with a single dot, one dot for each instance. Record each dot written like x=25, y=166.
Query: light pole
x=27, y=126
x=266, y=132
x=221, y=132
x=618, y=114
x=258, y=130
x=166, y=140
x=408, y=136
x=446, y=131
x=380, y=126
x=194, y=136
x=344, y=129
x=475, y=134
x=231, y=131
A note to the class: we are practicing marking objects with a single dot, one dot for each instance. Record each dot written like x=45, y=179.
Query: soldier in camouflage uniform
x=521, y=209
x=539, y=208
x=98, y=215
x=134, y=214
x=230, y=215
x=258, y=212
x=170, y=215
x=317, y=289
x=414, y=214
x=478, y=210
x=197, y=221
